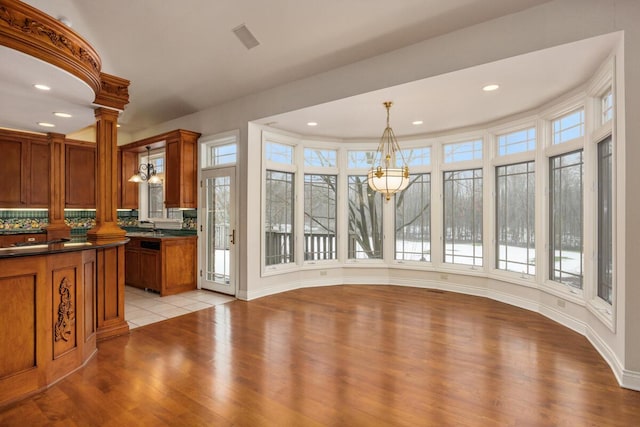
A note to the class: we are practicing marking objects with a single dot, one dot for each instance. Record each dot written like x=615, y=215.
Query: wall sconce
x=146, y=172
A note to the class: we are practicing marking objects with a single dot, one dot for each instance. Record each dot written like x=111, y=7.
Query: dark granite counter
x=12, y=231
x=54, y=246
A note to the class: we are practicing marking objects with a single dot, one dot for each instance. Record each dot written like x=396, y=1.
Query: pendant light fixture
x=146, y=172
x=389, y=172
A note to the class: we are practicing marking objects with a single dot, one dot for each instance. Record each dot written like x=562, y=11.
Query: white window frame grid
x=323, y=170
x=501, y=135
x=209, y=144
x=491, y=197
x=606, y=107
x=601, y=83
x=406, y=146
x=581, y=125
x=570, y=105
x=270, y=137
x=471, y=140
x=530, y=278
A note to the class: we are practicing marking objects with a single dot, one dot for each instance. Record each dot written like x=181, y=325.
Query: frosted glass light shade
x=155, y=179
x=136, y=178
x=388, y=180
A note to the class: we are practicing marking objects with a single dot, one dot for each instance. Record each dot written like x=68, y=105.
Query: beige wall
x=548, y=25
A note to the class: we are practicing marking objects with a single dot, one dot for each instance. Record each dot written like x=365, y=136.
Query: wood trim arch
x=33, y=32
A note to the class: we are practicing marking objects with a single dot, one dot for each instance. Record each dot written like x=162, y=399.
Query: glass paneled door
x=218, y=232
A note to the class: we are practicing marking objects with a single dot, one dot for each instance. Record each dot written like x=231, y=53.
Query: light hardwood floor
x=341, y=356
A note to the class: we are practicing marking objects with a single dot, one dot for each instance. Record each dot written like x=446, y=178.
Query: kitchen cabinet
x=24, y=171
x=80, y=175
x=127, y=191
x=166, y=264
x=181, y=173
x=38, y=173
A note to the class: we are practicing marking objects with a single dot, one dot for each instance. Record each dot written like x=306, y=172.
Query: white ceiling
x=182, y=57
x=456, y=100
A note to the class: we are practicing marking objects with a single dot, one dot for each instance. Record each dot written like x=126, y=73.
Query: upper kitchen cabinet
x=181, y=166
x=24, y=171
x=182, y=170
x=127, y=191
x=80, y=178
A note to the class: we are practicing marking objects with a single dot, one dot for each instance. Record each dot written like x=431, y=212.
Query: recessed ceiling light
x=46, y=125
x=417, y=122
x=491, y=87
x=60, y=114
x=41, y=87
x=312, y=124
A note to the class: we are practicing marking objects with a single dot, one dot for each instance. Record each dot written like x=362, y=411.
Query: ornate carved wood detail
x=114, y=91
x=31, y=31
x=66, y=316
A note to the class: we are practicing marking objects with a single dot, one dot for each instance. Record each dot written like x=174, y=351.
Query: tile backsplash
x=79, y=221
x=23, y=220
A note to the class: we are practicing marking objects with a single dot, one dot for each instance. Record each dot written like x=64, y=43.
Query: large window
x=156, y=191
x=565, y=219
x=320, y=209
x=279, y=214
x=413, y=220
x=515, y=218
x=463, y=217
x=605, y=219
x=365, y=220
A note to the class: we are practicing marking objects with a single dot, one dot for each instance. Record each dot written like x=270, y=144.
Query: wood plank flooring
x=341, y=356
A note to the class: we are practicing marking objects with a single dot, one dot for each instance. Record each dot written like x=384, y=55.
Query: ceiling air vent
x=244, y=35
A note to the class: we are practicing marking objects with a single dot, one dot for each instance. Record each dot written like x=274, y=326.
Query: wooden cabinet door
x=80, y=179
x=132, y=267
x=38, y=173
x=128, y=196
x=181, y=175
x=172, y=185
x=150, y=269
x=13, y=156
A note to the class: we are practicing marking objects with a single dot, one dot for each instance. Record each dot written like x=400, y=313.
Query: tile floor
x=145, y=307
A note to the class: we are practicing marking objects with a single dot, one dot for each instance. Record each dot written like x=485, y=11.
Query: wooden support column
x=57, y=228
x=109, y=261
x=106, y=228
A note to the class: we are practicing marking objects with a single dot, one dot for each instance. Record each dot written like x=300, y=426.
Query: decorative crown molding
x=33, y=32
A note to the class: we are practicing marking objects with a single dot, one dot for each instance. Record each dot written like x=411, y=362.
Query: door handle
x=233, y=237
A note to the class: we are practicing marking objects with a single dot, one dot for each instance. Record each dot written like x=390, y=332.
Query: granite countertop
x=21, y=231
x=157, y=235
x=55, y=246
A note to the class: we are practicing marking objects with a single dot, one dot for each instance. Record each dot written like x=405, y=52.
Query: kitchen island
x=50, y=312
